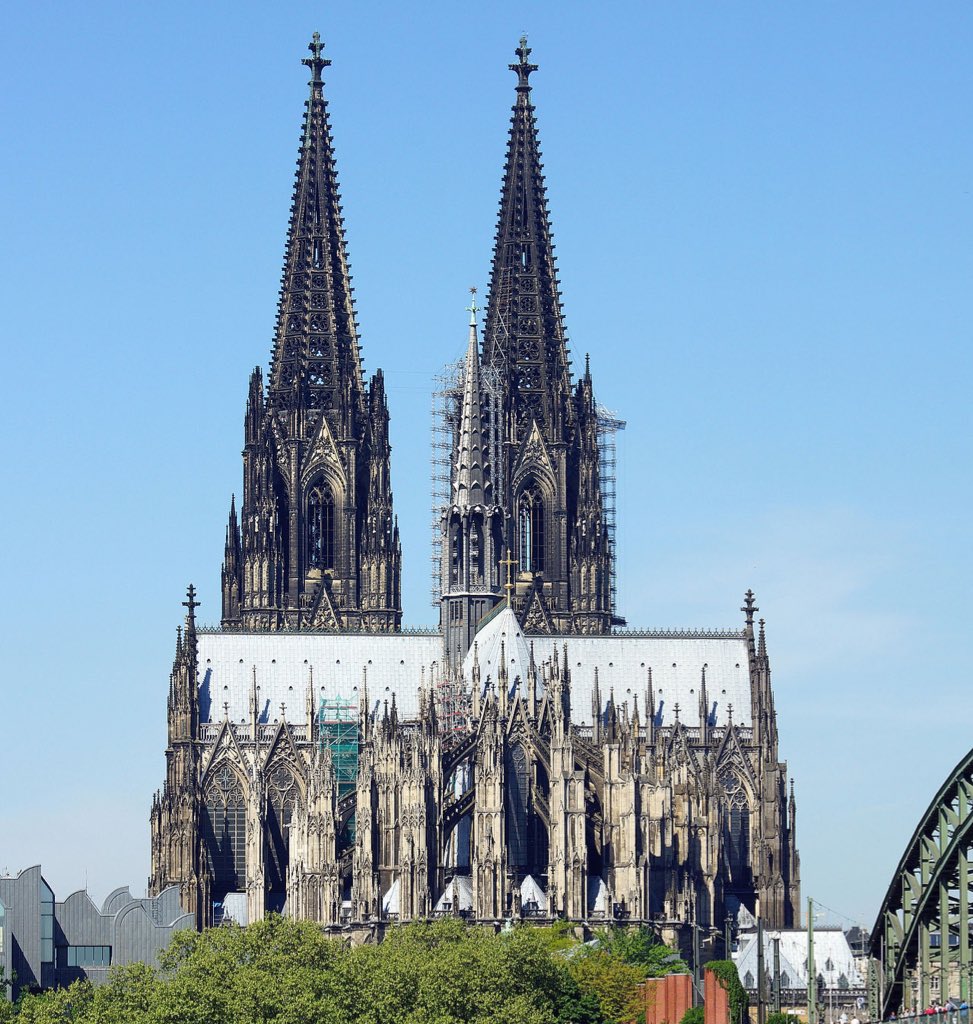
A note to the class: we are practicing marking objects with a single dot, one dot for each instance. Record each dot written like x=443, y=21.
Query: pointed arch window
x=518, y=787
x=320, y=527
x=736, y=830
x=283, y=798
x=223, y=830
x=530, y=520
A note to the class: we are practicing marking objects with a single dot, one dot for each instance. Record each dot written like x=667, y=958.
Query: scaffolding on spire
x=447, y=403
x=447, y=397
x=608, y=427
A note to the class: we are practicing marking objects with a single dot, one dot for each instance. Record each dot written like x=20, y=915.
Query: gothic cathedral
x=529, y=759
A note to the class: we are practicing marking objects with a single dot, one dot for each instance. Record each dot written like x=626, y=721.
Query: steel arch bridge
x=922, y=931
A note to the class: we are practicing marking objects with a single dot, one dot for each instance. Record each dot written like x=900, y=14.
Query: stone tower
x=548, y=486
x=317, y=545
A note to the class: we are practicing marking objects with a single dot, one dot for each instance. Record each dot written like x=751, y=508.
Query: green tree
x=642, y=947
x=57, y=1006
x=129, y=996
x=614, y=983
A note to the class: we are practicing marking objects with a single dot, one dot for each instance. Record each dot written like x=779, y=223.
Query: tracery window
x=224, y=832
x=736, y=830
x=320, y=527
x=282, y=799
x=530, y=518
x=517, y=786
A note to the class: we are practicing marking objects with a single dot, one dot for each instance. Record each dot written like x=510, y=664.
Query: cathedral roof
x=500, y=640
x=622, y=662
x=282, y=664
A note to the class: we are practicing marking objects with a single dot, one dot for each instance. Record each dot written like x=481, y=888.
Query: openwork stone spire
x=318, y=545
x=471, y=484
x=524, y=331
x=315, y=357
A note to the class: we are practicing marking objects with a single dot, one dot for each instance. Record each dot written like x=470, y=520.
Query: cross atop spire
x=472, y=308
x=749, y=606
x=523, y=68
x=317, y=63
x=191, y=604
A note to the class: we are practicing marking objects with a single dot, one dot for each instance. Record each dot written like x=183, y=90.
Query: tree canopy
x=443, y=972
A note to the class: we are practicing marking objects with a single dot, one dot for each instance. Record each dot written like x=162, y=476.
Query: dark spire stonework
x=555, y=524
x=316, y=361
x=318, y=545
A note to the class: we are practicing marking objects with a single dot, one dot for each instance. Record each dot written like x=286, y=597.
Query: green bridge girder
x=923, y=927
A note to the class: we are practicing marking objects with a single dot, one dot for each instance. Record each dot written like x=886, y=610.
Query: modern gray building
x=45, y=943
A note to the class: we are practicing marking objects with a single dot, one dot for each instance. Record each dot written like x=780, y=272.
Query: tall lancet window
x=320, y=527
x=476, y=549
x=517, y=786
x=456, y=552
x=736, y=827
x=530, y=516
x=223, y=830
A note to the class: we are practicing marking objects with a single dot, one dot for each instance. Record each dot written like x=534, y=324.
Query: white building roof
x=284, y=663
x=395, y=664
x=833, y=959
x=677, y=660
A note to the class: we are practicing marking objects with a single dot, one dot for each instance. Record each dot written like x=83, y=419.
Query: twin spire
x=524, y=333
x=315, y=356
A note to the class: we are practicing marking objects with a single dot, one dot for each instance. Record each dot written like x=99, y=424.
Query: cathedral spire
x=471, y=483
x=315, y=356
x=232, y=576
x=524, y=333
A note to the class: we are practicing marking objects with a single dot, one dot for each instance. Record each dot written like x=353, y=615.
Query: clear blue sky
x=764, y=217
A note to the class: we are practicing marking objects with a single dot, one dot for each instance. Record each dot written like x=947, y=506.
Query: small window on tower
x=320, y=527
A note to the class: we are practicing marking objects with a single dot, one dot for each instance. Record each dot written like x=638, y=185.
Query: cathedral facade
x=528, y=759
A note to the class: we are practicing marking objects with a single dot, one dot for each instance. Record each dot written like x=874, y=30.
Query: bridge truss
x=920, y=945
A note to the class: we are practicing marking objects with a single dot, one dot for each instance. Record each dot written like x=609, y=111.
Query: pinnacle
x=523, y=68
x=316, y=63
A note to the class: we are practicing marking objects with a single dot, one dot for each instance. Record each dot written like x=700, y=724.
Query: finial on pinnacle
x=191, y=605
x=472, y=307
x=749, y=606
x=523, y=68
x=317, y=63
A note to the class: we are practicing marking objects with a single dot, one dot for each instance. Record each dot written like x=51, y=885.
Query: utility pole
x=777, y=973
x=812, y=979
x=761, y=1007
x=696, y=975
